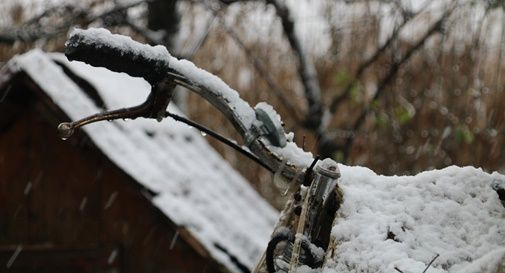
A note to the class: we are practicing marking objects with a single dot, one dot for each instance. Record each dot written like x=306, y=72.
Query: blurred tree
x=162, y=15
x=401, y=88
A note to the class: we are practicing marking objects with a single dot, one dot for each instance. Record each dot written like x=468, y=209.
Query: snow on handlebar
x=100, y=48
x=260, y=127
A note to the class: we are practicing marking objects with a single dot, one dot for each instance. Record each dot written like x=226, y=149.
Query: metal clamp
x=266, y=124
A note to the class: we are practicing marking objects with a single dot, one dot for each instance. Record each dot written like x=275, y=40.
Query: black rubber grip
x=101, y=52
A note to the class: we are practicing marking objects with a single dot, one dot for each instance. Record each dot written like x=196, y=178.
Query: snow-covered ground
x=405, y=221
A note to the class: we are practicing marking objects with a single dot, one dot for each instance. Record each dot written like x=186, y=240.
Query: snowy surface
x=452, y=212
x=195, y=187
x=100, y=36
x=215, y=85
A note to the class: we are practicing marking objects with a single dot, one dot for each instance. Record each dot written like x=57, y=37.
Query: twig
x=395, y=68
x=338, y=99
x=397, y=269
x=306, y=69
x=260, y=68
x=25, y=35
x=308, y=173
x=272, y=84
x=432, y=260
x=152, y=37
x=192, y=51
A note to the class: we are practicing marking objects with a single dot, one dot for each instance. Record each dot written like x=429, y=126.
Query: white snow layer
x=217, y=86
x=195, y=187
x=100, y=36
x=453, y=212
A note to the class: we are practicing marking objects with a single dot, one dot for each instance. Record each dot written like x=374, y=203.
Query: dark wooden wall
x=64, y=207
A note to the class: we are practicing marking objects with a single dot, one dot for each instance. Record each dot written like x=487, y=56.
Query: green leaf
x=464, y=134
x=375, y=105
x=403, y=114
x=339, y=156
x=341, y=77
x=355, y=93
x=381, y=120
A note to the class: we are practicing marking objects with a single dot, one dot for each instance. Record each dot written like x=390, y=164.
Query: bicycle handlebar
x=98, y=47
x=118, y=53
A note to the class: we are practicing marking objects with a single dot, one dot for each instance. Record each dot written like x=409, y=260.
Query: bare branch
x=338, y=99
x=29, y=33
x=152, y=37
x=394, y=69
x=272, y=84
x=258, y=65
x=306, y=69
x=431, y=262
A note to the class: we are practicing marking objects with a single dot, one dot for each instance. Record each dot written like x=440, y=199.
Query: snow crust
x=453, y=212
x=294, y=154
x=269, y=109
x=195, y=187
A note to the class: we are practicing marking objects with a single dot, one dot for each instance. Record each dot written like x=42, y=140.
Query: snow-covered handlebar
x=95, y=47
x=99, y=47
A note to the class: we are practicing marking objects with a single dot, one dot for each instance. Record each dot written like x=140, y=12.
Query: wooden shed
x=136, y=196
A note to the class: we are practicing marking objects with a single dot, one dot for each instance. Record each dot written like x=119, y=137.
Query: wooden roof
x=193, y=185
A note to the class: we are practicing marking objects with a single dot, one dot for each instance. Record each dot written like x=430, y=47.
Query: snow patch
x=404, y=221
x=102, y=36
x=217, y=86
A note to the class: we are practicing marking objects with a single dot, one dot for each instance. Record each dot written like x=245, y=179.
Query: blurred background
x=405, y=86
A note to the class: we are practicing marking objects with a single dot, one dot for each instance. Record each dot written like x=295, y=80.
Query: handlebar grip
x=100, y=48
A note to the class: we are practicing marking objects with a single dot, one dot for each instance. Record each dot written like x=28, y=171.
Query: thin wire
x=220, y=138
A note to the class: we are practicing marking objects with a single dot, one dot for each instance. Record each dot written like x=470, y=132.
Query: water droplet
x=203, y=133
x=65, y=130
